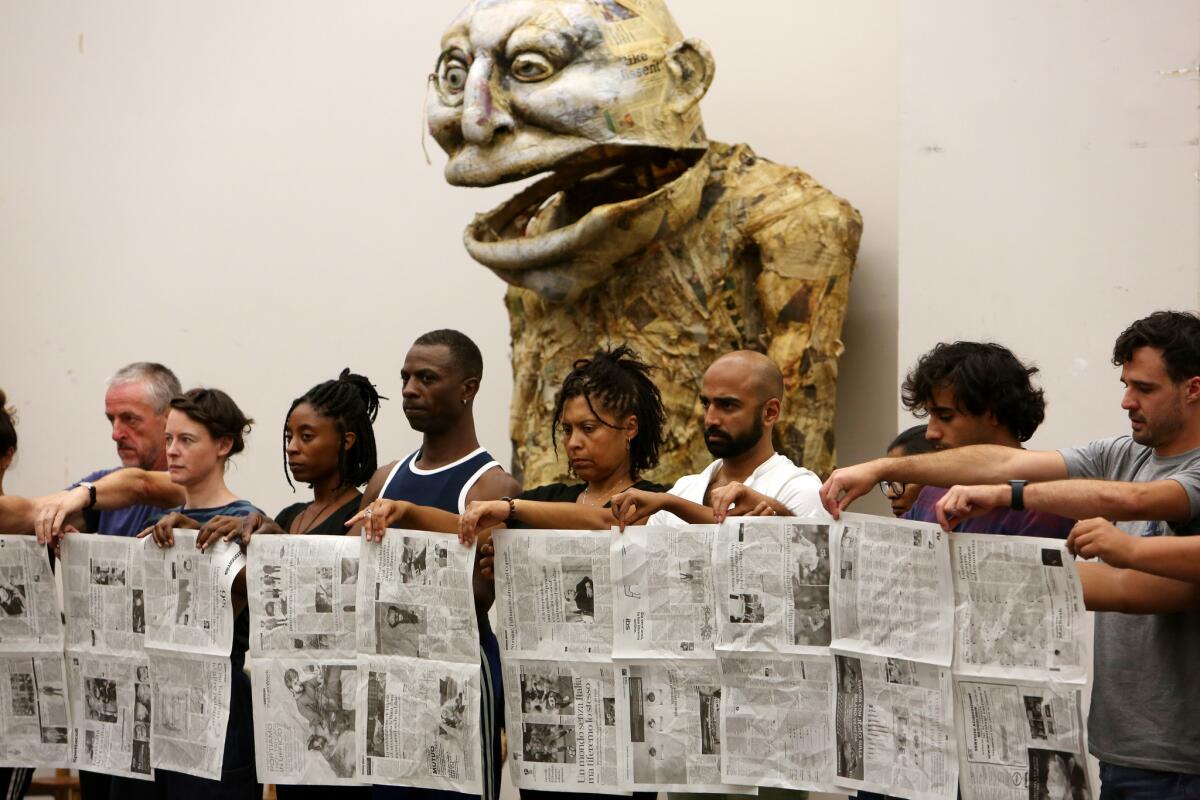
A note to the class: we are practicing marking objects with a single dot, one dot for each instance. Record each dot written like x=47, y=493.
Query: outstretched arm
x=1176, y=557
x=16, y=514
x=1078, y=498
x=1107, y=588
x=976, y=464
x=125, y=487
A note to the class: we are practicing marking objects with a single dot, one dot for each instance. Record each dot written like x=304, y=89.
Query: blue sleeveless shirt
x=445, y=487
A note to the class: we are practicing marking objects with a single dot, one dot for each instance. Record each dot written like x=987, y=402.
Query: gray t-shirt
x=1146, y=690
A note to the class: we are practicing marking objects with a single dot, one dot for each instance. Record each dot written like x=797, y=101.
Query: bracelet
x=91, y=487
x=1017, y=503
x=512, y=507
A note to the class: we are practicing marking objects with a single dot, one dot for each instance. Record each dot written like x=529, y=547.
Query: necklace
x=312, y=523
x=593, y=504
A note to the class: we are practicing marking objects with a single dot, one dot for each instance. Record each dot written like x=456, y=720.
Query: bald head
x=751, y=369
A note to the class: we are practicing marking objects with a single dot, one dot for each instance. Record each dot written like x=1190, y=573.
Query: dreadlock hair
x=352, y=403
x=8, y=431
x=619, y=383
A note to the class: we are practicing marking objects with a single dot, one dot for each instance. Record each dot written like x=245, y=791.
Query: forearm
x=427, y=518
x=563, y=516
x=1176, y=557
x=132, y=486
x=972, y=465
x=16, y=514
x=1113, y=500
x=689, y=512
x=1129, y=591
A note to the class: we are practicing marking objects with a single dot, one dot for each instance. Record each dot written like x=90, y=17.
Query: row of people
x=980, y=403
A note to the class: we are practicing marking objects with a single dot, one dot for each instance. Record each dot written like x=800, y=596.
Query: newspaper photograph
x=1021, y=740
x=1019, y=609
x=418, y=724
x=669, y=728
x=663, y=601
x=892, y=590
x=188, y=594
x=562, y=726
x=29, y=614
x=34, y=722
x=894, y=728
x=553, y=594
x=304, y=720
x=415, y=598
x=302, y=592
x=775, y=725
x=772, y=585
x=104, y=593
x=191, y=712
x=111, y=704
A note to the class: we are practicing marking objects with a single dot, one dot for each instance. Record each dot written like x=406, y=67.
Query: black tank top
x=445, y=487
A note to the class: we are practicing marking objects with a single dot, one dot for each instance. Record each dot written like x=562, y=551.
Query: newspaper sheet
x=110, y=713
x=663, y=599
x=191, y=712
x=415, y=598
x=301, y=592
x=188, y=594
x=553, y=594
x=669, y=727
x=1021, y=740
x=775, y=725
x=29, y=615
x=34, y=718
x=418, y=723
x=304, y=720
x=104, y=593
x=772, y=585
x=892, y=591
x=562, y=726
x=894, y=727
x=1019, y=609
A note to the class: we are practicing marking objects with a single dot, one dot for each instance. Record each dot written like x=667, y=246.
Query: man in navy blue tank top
x=441, y=375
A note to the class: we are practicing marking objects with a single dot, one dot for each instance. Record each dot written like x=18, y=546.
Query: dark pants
x=94, y=785
x=238, y=779
x=530, y=794
x=1131, y=783
x=491, y=720
x=14, y=782
x=284, y=792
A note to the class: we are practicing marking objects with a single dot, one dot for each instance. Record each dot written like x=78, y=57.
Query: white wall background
x=238, y=190
x=1049, y=186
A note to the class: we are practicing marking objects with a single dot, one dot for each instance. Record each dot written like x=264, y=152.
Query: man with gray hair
x=136, y=404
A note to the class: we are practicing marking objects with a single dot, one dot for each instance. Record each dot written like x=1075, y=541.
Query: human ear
x=631, y=428
x=771, y=410
x=1191, y=390
x=348, y=439
x=224, y=446
x=470, y=389
x=690, y=64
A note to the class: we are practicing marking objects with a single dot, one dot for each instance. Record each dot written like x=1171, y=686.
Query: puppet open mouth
x=580, y=198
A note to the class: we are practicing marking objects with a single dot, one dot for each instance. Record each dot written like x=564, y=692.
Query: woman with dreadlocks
x=611, y=418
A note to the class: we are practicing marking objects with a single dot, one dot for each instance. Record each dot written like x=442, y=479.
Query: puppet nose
x=483, y=112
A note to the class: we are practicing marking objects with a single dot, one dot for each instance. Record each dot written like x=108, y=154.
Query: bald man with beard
x=742, y=396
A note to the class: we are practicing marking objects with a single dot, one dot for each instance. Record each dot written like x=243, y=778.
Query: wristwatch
x=1017, y=503
x=91, y=487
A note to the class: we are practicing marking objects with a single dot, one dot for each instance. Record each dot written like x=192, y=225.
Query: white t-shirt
x=777, y=477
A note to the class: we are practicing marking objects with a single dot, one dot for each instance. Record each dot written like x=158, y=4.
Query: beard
x=728, y=445
x=1160, y=432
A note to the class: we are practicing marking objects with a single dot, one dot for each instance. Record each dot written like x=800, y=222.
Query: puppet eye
x=531, y=67
x=451, y=78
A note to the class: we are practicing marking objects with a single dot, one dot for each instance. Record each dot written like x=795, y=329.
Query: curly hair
x=352, y=402
x=1175, y=333
x=217, y=412
x=621, y=384
x=985, y=377
x=911, y=442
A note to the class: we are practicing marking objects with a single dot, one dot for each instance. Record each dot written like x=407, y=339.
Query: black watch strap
x=91, y=487
x=1017, y=503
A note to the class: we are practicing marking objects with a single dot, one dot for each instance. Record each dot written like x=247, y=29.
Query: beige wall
x=239, y=191
x=1049, y=186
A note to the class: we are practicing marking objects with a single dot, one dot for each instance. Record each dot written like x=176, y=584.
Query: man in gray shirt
x=1145, y=693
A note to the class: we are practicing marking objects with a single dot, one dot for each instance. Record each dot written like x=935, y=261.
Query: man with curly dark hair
x=978, y=393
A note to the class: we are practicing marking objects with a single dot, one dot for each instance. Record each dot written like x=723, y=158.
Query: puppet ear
x=690, y=63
